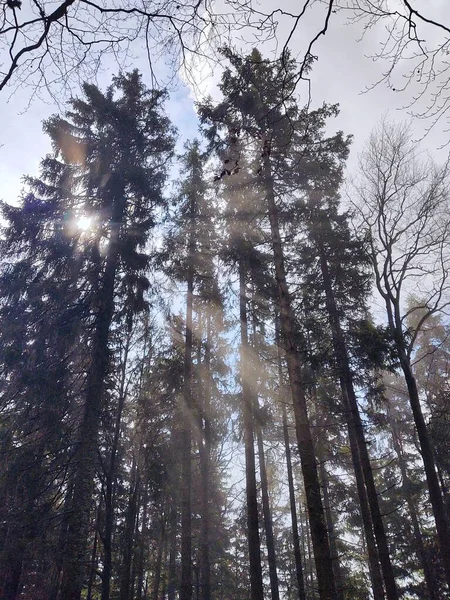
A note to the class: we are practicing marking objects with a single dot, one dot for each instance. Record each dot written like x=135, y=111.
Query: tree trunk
x=159, y=558
x=186, y=435
x=94, y=553
x=205, y=468
x=268, y=525
x=130, y=523
x=283, y=396
x=310, y=561
x=372, y=550
x=330, y=524
x=15, y=542
x=142, y=542
x=11, y=582
x=444, y=490
x=25, y=526
x=110, y=481
x=55, y=578
x=355, y=425
x=319, y=534
x=134, y=554
x=292, y=502
x=172, y=574
x=85, y=459
x=428, y=573
x=436, y=499
x=248, y=401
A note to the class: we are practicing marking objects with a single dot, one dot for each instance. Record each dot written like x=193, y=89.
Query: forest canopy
x=198, y=401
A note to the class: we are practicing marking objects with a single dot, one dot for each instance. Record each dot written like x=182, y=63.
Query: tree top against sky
x=49, y=49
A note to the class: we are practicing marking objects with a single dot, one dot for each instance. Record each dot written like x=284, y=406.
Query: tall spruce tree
x=341, y=290
x=241, y=250
x=259, y=112
x=109, y=165
x=189, y=257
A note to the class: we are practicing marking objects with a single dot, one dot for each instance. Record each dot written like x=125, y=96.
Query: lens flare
x=85, y=223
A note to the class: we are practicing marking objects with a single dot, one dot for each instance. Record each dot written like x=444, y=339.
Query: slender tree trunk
x=172, y=574
x=159, y=558
x=15, y=543
x=107, y=538
x=330, y=524
x=130, y=522
x=372, y=550
x=319, y=534
x=13, y=573
x=110, y=481
x=292, y=502
x=444, y=490
x=355, y=425
x=85, y=459
x=436, y=499
x=164, y=579
x=310, y=570
x=205, y=469
x=134, y=554
x=24, y=528
x=428, y=573
x=268, y=525
x=94, y=553
x=55, y=579
x=142, y=542
x=284, y=395
x=186, y=432
x=248, y=401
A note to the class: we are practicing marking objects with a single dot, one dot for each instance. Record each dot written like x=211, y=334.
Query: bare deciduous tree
x=54, y=46
x=402, y=203
x=51, y=46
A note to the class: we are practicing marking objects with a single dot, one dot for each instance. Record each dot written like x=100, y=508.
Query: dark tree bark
x=140, y=568
x=372, y=550
x=428, y=573
x=94, y=553
x=310, y=580
x=319, y=534
x=186, y=431
x=205, y=468
x=330, y=524
x=172, y=572
x=62, y=536
x=248, y=403
x=268, y=525
x=284, y=395
x=11, y=581
x=292, y=503
x=159, y=559
x=126, y=579
x=110, y=477
x=434, y=489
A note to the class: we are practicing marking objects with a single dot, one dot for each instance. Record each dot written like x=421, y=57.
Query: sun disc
x=84, y=223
